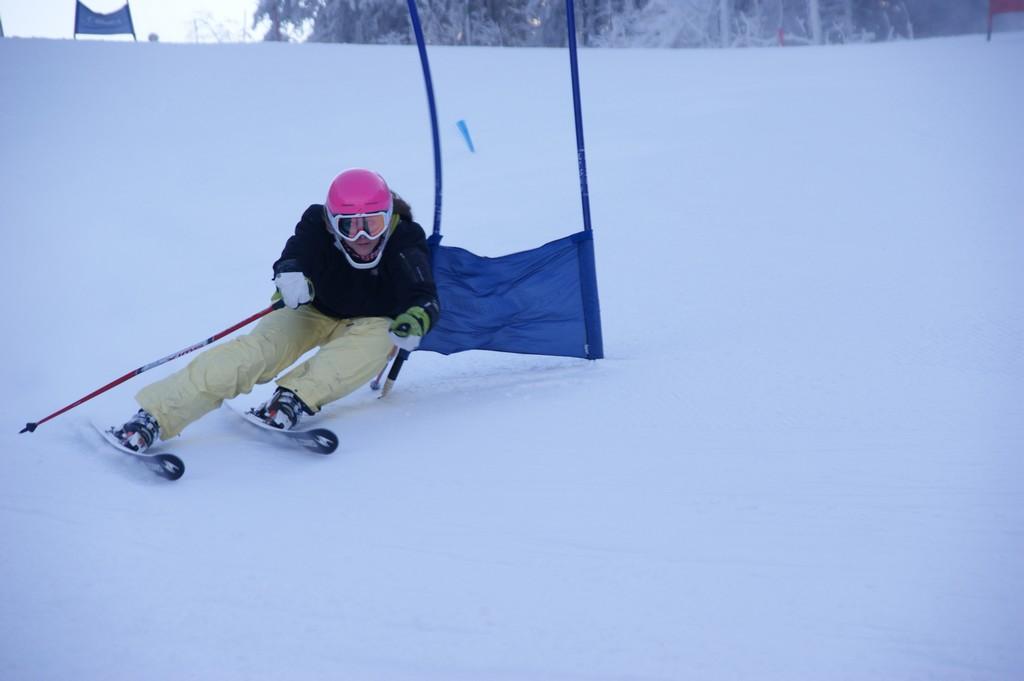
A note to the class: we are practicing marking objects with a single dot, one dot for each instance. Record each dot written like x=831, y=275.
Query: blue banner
x=89, y=22
x=529, y=302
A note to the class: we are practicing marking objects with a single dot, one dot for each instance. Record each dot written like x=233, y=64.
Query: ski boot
x=139, y=433
x=283, y=411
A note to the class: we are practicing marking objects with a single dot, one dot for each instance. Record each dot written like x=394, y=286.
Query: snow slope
x=801, y=458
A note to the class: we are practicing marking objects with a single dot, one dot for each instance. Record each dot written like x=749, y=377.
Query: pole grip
x=393, y=374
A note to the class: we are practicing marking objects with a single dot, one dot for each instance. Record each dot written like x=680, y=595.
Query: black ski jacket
x=402, y=278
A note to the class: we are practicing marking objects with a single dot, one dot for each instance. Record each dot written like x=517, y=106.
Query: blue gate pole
x=435, y=237
x=422, y=45
x=585, y=249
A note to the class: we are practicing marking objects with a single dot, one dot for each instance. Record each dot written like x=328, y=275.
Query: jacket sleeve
x=302, y=249
x=416, y=285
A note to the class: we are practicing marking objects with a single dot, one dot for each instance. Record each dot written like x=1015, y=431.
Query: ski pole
x=393, y=374
x=31, y=427
x=375, y=383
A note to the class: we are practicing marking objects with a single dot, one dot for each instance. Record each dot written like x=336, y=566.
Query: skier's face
x=360, y=237
x=363, y=246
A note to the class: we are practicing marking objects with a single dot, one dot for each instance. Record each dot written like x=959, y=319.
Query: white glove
x=294, y=288
x=407, y=343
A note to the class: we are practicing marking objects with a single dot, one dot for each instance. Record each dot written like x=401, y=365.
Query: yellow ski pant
x=351, y=352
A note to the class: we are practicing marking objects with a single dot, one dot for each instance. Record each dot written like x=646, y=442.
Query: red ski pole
x=31, y=427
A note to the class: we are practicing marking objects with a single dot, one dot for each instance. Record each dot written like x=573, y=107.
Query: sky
x=177, y=21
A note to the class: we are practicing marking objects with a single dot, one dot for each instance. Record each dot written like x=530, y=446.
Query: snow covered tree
x=494, y=22
x=343, y=21
x=288, y=19
x=600, y=23
x=725, y=21
x=657, y=23
x=362, y=21
x=885, y=19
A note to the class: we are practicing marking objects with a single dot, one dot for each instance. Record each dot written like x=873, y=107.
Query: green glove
x=413, y=322
x=408, y=328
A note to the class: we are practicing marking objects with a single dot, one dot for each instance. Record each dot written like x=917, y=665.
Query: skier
x=355, y=278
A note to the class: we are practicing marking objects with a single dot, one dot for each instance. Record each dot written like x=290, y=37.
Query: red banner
x=1003, y=6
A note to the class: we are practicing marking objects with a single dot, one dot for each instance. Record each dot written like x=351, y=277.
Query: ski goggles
x=351, y=227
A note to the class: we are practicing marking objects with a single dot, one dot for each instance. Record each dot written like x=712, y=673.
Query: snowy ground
x=801, y=458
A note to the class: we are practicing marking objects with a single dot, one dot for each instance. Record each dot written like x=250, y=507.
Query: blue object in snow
x=461, y=125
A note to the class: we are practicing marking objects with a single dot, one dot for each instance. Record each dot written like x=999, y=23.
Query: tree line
x=620, y=23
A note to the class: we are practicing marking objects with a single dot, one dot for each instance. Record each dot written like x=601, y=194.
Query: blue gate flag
x=90, y=22
x=543, y=301
x=529, y=302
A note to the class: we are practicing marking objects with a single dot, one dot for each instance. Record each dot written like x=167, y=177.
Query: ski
x=164, y=464
x=319, y=440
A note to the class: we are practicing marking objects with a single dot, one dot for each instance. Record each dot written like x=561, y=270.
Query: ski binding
x=319, y=440
x=164, y=464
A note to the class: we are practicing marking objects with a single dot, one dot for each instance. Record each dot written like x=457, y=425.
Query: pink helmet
x=357, y=191
x=358, y=209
